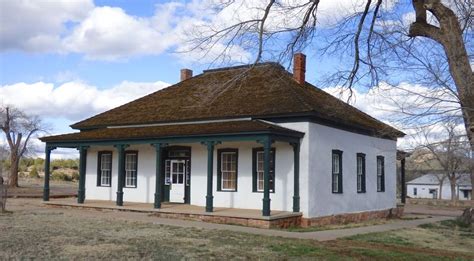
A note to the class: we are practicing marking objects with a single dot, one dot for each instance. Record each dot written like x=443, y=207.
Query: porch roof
x=163, y=132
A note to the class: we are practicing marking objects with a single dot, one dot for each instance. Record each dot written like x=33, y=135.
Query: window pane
x=228, y=170
x=105, y=169
x=260, y=171
x=131, y=170
x=335, y=162
x=167, y=172
x=260, y=180
x=335, y=183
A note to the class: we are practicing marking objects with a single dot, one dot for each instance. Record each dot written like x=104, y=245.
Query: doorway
x=177, y=178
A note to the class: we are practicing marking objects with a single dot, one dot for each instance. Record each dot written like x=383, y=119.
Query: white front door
x=177, y=176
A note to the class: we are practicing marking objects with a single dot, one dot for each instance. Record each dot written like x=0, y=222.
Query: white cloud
x=73, y=100
x=69, y=102
x=396, y=105
x=109, y=33
x=36, y=26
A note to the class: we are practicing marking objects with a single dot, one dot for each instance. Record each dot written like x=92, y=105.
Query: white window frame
x=131, y=168
x=261, y=171
x=360, y=172
x=380, y=173
x=105, y=170
x=225, y=173
x=167, y=172
x=336, y=171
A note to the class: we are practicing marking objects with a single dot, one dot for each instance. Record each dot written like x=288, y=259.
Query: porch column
x=402, y=177
x=210, y=164
x=158, y=174
x=267, y=144
x=81, y=193
x=121, y=172
x=47, y=161
x=296, y=173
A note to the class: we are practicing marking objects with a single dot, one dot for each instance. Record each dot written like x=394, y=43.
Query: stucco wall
x=282, y=199
x=144, y=192
x=315, y=174
x=322, y=201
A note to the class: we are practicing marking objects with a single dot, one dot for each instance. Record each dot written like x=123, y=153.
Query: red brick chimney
x=186, y=74
x=299, y=67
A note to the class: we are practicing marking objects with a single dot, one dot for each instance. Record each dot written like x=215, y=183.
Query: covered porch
x=160, y=137
x=231, y=216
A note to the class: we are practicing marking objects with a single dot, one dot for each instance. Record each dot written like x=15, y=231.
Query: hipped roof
x=261, y=91
x=172, y=131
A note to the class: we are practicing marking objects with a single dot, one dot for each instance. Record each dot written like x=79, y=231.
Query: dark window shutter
x=341, y=170
x=383, y=174
x=254, y=170
x=363, y=174
x=219, y=170
x=99, y=164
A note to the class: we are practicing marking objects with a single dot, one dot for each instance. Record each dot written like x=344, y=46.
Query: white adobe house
x=246, y=137
x=428, y=186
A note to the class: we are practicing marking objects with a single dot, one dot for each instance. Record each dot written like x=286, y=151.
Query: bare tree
x=451, y=154
x=18, y=129
x=382, y=40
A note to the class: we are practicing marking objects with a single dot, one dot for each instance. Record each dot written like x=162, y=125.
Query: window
x=415, y=191
x=465, y=194
x=258, y=170
x=131, y=169
x=227, y=169
x=104, y=169
x=380, y=174
x=336, y=171
x=360, y=172
x=167, y=172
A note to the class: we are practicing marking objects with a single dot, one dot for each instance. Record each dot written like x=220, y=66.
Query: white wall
x=423, y=191
x=144, y=192
x=315, y=174
x=322, y=201
x=282, y=199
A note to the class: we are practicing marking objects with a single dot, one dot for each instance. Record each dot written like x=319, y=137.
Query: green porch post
x=267, y=144
x=158, y=174
x=81, y=193
x=296, y=173
x=210, y=166
x=47, y=161
x=121, y=172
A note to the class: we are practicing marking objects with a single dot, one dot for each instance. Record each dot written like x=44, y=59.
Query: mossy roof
x=175, y=130
x=261, y=91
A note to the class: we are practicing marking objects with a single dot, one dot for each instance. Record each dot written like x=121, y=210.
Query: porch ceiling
x=217, y=130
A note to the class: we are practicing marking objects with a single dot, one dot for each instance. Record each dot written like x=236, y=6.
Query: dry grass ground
x=31, y=231
x=33, y=187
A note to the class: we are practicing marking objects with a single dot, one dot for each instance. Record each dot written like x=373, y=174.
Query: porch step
x=231, y=216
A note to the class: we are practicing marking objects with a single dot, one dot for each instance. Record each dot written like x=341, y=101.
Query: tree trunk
x=13, y=178
x=440, y=196
x=450, y=36
x=452, y=183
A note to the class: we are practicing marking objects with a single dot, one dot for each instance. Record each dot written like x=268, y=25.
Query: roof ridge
x=242, y=67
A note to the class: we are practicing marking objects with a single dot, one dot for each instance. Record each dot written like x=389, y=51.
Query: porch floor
x=246, y=217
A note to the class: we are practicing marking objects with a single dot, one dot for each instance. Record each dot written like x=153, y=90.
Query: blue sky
x=67, y=60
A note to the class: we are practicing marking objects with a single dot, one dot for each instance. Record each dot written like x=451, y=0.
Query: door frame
x=169, y=153
x=177, y=171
